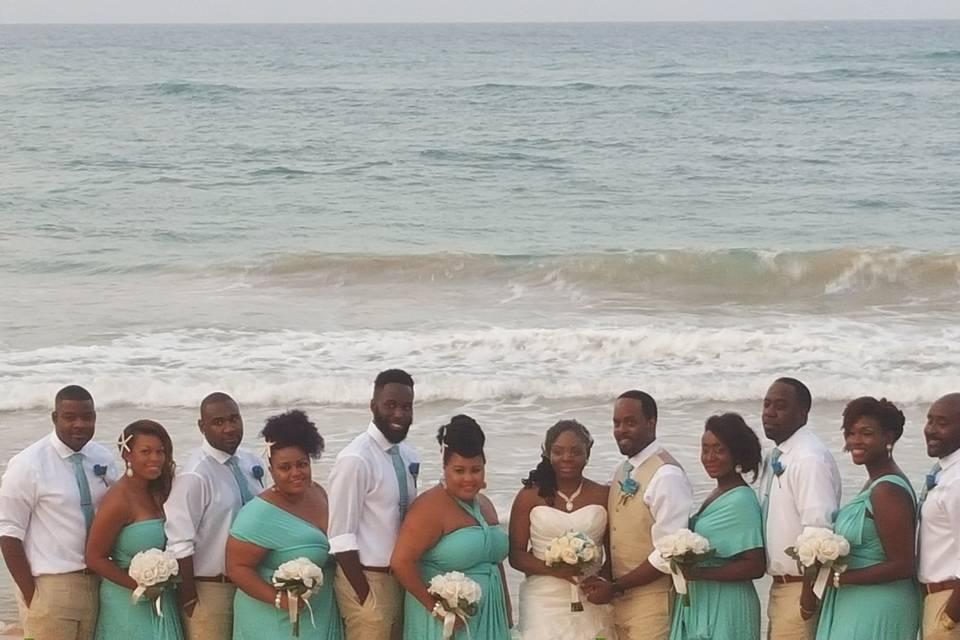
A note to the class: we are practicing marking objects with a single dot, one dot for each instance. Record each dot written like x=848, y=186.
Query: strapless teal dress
x=120, y=618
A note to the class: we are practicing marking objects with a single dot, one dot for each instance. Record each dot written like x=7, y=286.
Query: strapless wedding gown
x=544, y=600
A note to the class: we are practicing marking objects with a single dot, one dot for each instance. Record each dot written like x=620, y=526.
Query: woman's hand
x=566, y=572
x=458, y=623
x=808, y=603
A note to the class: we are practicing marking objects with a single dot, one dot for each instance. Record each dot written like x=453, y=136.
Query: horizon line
x=477, y=22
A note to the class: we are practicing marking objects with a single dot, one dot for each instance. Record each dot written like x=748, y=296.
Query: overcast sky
x=467, y=10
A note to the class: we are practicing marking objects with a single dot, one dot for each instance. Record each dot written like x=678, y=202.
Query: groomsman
x=48, y=497
x=372, y=484
x=217, y=479
x=800, y=487
x=939, y=571
x=650, y=497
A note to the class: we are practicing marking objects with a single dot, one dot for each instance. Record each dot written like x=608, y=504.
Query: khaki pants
x=212, y=618
x=784, y=613
x=643, y=616
x=64, y=607
x=933, y=606
x=380, y=617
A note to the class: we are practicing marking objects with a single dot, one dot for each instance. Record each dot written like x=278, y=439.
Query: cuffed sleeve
x=17, y=500
x=184, y=510
x=816, y=496
x=347, y=488
x=670, y=498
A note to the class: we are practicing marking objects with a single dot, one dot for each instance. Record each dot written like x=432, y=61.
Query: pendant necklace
x=570, y=499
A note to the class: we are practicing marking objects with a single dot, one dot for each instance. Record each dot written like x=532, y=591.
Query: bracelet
x=189, y=603
x=836, y=579
x=807, y=612
x=276, y=601
x=438, y=610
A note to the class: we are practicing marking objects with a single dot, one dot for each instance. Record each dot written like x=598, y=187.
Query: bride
x=556, y=498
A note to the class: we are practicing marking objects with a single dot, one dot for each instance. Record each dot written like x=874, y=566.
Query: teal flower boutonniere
x=628, y=489
x=778, y=470
x=100, y=470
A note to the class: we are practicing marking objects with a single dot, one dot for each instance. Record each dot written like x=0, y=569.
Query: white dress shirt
x=365, y=497
x=940, y=525
x=669, y=497
x=40, y=502
x=807, y=494
x=203, y=503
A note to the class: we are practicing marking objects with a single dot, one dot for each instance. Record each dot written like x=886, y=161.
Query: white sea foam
x=693, y=360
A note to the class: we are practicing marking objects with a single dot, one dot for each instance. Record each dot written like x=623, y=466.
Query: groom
x=650, y=497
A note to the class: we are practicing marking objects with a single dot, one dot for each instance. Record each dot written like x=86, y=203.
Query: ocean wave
x=745, y=275
x=174, y=88
x=949, y=54
x=680, y=360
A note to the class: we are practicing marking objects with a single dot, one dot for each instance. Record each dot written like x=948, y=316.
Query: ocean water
x=529, y=218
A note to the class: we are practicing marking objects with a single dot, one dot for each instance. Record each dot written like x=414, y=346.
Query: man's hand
x=808, y=603
x=598, y=590
x=188, y=601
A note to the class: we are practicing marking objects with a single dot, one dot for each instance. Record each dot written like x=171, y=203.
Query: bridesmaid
x=723, y=601
x=877, y=596
x=453, y=527
x=129, y=520
x=285, y=522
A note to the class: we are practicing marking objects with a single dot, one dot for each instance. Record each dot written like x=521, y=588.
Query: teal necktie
x=394, y=452
x=771, y=462
x=245, y=494
x=86, y=502
x=931, y=482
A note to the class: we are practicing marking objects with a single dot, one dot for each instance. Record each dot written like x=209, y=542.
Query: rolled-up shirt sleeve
x=817, y=496
x=184, y=510
x=347, y=488
x=17, y=500
x=670, y=498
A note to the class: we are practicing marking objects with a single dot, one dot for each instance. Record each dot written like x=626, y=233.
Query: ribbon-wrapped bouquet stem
x=300, y=579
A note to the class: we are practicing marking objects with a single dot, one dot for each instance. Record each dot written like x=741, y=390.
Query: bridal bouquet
x=153, y=570
x=301, y=579
x=819, y=551
x=459, y=597
x=683, y=549
x=575, y=549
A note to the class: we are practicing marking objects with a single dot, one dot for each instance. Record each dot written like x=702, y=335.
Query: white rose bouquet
x=575, y=549
x=301, y=579
x=458, y=596
x=819, y=551
x=683, y=549
x=153, y=570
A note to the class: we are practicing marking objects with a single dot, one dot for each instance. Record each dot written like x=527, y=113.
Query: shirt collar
x=787, y=445
x=638, y=459
x=950, y=460
x=377, y=436
x=216, y=454
x=63, y=450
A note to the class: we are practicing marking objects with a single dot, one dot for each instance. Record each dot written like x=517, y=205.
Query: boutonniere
x=778, y=470
x=628, y=489
x=257, y=472
x=414, y=471
x=100, y=470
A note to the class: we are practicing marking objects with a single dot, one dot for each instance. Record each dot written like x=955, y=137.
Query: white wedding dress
x=544, y=600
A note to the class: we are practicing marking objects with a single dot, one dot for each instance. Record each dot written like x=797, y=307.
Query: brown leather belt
x=787, y=579
x=376, y=569
x=930, y=588
x=82, y=572
x=222, y=579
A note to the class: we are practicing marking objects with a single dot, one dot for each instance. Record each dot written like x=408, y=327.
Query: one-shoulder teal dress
x=890, y=611
x=476, y=551
x=723, y=610
x=286, y=537
x=122, y=619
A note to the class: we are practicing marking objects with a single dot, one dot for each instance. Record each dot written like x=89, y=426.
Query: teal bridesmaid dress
x=723, y=610
x=889, y=611
x=119, y=617
x=476, y=551
x=286, y=537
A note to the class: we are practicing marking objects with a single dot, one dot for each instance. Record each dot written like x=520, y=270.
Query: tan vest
x=631, y=539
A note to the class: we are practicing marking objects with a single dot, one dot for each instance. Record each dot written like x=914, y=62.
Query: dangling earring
x=129, y=472
x=739, y=469
x=889, y=450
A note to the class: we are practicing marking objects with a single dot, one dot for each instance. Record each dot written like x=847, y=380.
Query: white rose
x=149, y=576
x=589, y=554
x=577, y=544
x=829, y=550
x=569, y=556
